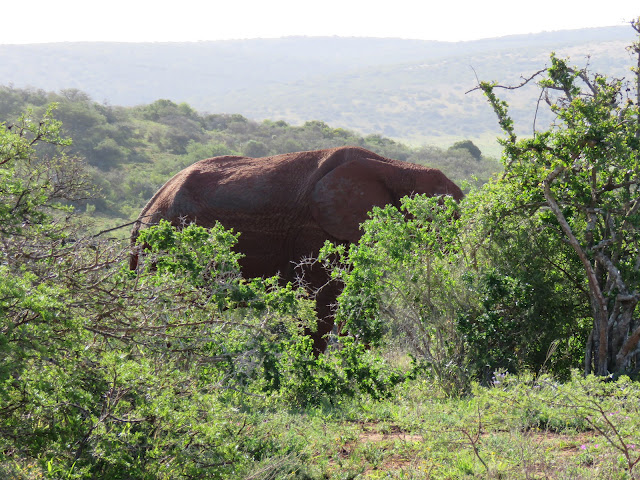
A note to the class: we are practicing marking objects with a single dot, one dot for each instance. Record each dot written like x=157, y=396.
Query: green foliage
x=348, y=371
x=469, y=146
x=606, y=407
x=426, y=277
x=194, y=251
x=578, y=181
x=404, y=279
x=523, y=322
x=463, y=289
x=532, y=312
x=26, y=185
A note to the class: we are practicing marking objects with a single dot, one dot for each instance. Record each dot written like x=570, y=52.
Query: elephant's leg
x=316, y=279
x=318, y=283
x=326, y=299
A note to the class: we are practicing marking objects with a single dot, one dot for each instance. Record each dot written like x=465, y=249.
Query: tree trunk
x=588, y=354
x=597, y=300
x=601, y=333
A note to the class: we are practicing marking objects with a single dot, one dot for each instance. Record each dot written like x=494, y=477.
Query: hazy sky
x=38, y=21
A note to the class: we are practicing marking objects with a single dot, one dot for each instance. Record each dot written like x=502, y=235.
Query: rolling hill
x=410, y=90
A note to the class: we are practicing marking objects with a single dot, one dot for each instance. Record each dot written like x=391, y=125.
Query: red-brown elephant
x=286, y=206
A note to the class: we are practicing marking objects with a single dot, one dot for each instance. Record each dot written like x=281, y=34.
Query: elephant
x=286, y=206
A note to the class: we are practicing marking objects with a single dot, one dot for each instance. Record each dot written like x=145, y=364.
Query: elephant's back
x=250, y=182
x=285, y=173
x=241, y=190
x=230, y=189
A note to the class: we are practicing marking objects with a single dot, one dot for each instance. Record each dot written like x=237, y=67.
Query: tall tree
x=582, y=177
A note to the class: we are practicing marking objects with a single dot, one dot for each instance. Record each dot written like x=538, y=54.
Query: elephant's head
x=341, y=199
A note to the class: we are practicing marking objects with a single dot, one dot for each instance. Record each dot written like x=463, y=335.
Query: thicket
x=537, y=269
x=110, y=373
x=579, y=180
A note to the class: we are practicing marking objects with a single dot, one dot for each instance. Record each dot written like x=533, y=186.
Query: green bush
x=110, y=373
x=404, y=282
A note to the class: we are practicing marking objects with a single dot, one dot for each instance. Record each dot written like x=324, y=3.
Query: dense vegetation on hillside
x=133, y=151
x=408, y=90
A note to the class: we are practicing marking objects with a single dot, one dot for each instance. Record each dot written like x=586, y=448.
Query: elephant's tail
x=137, y=249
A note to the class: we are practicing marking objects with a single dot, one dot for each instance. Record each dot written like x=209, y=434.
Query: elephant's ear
x=341, y=199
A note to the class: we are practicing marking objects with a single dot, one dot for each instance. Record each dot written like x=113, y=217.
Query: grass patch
x=525, y=428
x=494, y=433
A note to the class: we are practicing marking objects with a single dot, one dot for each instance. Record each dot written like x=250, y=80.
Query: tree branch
x=594, y=287
x=524, y=82
x=628, y=347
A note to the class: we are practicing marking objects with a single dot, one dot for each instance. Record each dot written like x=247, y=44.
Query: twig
x=525, y=81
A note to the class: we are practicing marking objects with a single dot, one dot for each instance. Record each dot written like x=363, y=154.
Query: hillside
x=408, y=90
x=132, y=151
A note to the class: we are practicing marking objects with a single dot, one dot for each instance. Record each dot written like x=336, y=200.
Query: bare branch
x=505, y=87
x=137, y=220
